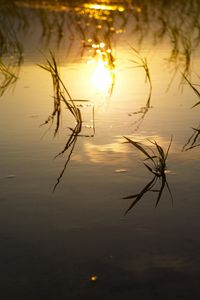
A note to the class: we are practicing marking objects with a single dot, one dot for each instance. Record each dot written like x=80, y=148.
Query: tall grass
x=157, y=158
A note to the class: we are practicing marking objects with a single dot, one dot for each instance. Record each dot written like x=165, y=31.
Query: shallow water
x=75, y=242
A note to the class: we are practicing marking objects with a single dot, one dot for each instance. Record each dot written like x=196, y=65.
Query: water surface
x=75, y=242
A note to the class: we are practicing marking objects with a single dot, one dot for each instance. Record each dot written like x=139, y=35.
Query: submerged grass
x=157, y=167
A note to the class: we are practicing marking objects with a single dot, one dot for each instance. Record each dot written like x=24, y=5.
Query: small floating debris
x=10, y=176
x=34, y=116
x=121, y=171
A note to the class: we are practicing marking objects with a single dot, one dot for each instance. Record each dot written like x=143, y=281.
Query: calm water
x=75, y=242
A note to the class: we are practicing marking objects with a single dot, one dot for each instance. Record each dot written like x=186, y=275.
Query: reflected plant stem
x=9, y=68
x=70, y=145
x=141, y=62
x=143, y=111
x=8, y=76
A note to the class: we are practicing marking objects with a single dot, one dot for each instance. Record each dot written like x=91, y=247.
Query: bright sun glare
x=101, y=78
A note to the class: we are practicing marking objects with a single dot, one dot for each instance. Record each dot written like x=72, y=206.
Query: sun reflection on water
x=103, y=76
x=98, y=6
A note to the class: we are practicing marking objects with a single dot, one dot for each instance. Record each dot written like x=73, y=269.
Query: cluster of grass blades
x=8, y=77
x=157, y=167
x=60, y=92
x=194, y=139
x=61, y=95
x=141, y=62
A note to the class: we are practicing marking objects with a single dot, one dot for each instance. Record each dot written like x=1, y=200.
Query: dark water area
x=99, y=149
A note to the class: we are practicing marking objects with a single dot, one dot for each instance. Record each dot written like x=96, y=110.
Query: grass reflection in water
x=141, y=62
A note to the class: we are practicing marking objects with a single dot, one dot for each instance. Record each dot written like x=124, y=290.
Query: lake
x=99, y=149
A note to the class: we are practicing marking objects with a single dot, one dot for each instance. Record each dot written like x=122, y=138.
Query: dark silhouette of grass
x=61, y=95
x=157, y=158
x=194, y=140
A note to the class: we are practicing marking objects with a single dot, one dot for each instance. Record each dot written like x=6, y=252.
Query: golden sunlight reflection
x=96, y=6
x=103, y=76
